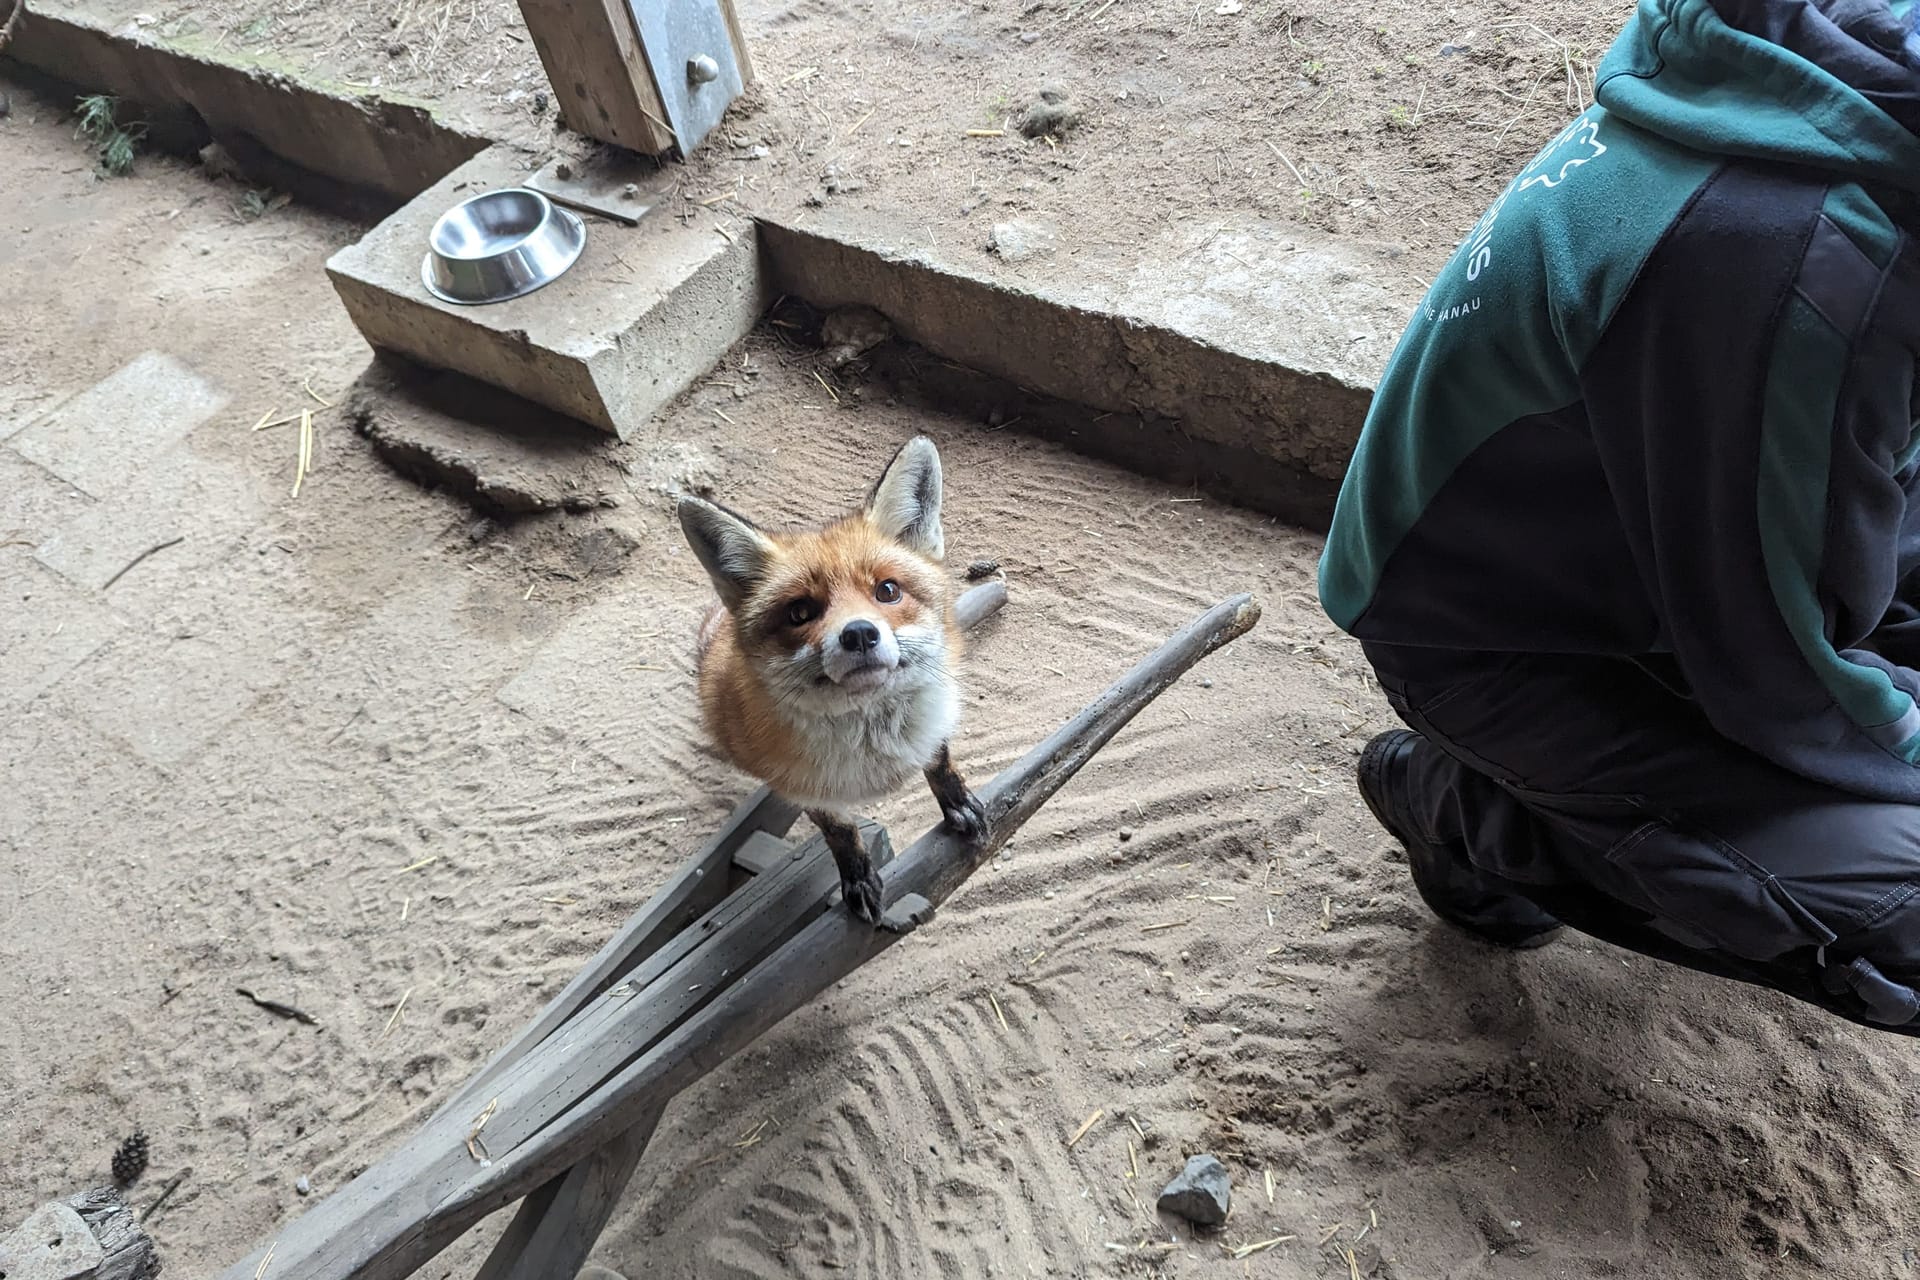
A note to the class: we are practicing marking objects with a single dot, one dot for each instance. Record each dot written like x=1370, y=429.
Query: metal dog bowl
x=500, y=245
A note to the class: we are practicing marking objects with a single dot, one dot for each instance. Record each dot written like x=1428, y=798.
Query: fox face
x=835, y=618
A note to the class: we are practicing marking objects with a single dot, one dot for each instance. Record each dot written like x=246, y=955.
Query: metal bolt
x=702, y=70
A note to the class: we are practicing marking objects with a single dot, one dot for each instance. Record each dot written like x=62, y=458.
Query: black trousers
x=1590, y=787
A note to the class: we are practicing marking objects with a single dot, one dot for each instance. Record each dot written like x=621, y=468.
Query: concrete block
x=1261, y=349
x=47, y=628
x=192, y=86
x=203, y=503
x=645, y=312
x=98, y=439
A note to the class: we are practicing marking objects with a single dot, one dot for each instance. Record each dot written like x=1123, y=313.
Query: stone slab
x=97, y=439
x=52, y=1244
x=198, y=504
x=645, y=312
x=48, y=627
x=33, y=501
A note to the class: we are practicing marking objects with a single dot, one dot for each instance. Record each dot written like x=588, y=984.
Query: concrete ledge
x=1233, y=367
x=378, y=145
x=643, y=314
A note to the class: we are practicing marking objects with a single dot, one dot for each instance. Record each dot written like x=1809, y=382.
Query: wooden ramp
x=745, y=933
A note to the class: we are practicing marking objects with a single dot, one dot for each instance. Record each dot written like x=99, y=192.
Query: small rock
x=303, y=1186
x=1052, y=114
x=539, y=102
x=760, y=153
x=835, y=183
x=563, y=171
x=630, y=192
x=1029, y=37
x=1020, y=239
x=1206, y=682
x=1202, y=1193
x=396, y=51
x=1126, y=834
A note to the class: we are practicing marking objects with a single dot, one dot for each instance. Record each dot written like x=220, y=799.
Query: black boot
x=1446, y=880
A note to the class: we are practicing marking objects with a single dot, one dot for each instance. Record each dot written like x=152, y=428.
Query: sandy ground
x=1389, y=120
x=354, y=751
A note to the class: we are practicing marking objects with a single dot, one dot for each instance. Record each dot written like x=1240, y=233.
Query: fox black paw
x=968, y=819
x=863, y=897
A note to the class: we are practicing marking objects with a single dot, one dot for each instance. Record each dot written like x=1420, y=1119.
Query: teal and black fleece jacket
x=1661, y=403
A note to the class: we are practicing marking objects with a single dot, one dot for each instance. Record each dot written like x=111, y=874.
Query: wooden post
x=625, y=81
x=90, y=1236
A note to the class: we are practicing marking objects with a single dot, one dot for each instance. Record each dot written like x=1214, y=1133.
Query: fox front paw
x=863, y=896
x=967, y=819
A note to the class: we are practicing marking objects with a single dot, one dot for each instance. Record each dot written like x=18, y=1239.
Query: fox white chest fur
x=870, y=751
x=827, y=669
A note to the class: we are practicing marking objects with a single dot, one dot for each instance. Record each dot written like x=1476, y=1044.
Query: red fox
x=826, y=668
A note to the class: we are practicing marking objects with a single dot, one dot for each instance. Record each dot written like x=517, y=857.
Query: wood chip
x=266, y=1261
x=1261, y=1246
x=1170, y=924
x=1083, y=1130
x=1269, y=1186
x=986, y=133
x=429, y=859
x=997, y=1013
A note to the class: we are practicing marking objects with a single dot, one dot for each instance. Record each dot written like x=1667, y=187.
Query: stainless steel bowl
x=503, y=244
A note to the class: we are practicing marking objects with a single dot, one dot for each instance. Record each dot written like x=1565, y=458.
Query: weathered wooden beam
x=557, y=1225
x=829, y=948
x=688, y=894
x=93, y=1235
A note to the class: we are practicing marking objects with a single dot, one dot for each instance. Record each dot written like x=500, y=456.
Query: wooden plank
x=762, y=853
x=834, y=944
x=556, y=1227
x=741, y=57
x=688, y=894
x=591, y=52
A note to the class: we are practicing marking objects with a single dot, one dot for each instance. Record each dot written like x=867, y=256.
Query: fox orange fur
x=826, y=668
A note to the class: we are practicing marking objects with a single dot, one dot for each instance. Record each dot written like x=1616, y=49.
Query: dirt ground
x=358, y=752
x=1387, y=120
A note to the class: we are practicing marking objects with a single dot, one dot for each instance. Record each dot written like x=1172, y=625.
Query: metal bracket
x=689, y=49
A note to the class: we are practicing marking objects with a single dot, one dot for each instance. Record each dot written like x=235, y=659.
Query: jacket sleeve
x=1752, y=404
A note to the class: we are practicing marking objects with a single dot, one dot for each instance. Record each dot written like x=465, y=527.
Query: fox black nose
x=859, y=636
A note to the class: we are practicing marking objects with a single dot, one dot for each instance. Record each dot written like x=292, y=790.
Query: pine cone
x=130, y=1161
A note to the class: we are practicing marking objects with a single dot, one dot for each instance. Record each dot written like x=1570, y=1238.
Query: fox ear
x=905, y=504
x=734, y=553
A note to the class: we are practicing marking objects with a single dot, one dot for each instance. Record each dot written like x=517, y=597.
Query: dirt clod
x=1053, y=113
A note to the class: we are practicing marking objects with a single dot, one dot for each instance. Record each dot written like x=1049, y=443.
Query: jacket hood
x=1827, y=84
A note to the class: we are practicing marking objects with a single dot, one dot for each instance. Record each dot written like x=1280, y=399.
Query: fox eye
x=801, y=612
x=887, y=592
